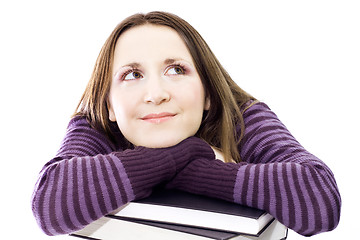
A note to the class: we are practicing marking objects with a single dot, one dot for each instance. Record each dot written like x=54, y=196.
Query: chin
x=163, y=143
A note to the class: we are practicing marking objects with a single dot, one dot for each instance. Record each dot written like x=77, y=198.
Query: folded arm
x=88, y=179
x=277, y=174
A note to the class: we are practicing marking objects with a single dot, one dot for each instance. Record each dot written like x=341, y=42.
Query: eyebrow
x=172, y=60
x=132, y=65
x=136, y=65
x=166, y=61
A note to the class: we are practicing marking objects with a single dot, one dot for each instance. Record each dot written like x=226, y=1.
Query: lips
x=158, y=117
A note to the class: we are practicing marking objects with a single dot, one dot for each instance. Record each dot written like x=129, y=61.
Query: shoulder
x=78, y=121
x=260, y=121
x=256, y=110
x=79, y=125
x=254, y=105
x=82, y=139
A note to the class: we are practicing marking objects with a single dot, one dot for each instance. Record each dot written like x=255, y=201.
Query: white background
x=301, y=57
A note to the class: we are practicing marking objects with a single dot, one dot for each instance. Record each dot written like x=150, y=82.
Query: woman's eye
x=132, y=76
x=175, y=70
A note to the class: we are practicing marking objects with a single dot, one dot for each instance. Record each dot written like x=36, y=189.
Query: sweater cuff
x=148, y=167
x=190, y=149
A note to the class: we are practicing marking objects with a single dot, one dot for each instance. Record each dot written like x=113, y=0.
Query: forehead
x=150, y=42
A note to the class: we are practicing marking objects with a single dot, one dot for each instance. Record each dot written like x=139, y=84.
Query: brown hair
x=226, y=97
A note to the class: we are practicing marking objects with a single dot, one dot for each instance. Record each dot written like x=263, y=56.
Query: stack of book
x=171, y=214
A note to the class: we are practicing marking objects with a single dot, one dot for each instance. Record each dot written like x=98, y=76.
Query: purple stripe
x=238, y=192
x=262, y=136
x=87, y=191
x=53, y=208
x=295, y=155
x=280, y=198
x=329, y=180
x=272, y=201
x=72, y=196
x=254, y=201
x=65, y=213
x=47, y=204
x=245, y=185
x=124, y=178
x=73, y=199
x=259, y=116
x=72, y=152
x=98, y=139
x=42, y=203
x=90, y=137
x=251, y=185
x=99, y=185
x=336, y=196
x=274, y=149
x=93, y=187
x=78, y=121
x=326, y=207
x=60, y=200
x=314, y=209
x=266, y=199
x=82, y=190
x=257, y=109
x=261, y=186
x=108, y=190
x=116, y=189
x=260, y=120
x=77, y=146
x=289, y=194
x=252, y=122
x=303, y=197
x=117, y=183
x=296, y=191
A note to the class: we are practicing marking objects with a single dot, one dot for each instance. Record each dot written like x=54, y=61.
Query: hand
x=189, y=150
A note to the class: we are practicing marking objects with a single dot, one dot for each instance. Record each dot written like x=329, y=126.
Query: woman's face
x=156, y=95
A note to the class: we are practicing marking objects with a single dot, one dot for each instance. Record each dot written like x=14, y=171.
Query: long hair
x=226, y=97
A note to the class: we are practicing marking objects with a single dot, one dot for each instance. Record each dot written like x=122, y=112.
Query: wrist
x=190, y=149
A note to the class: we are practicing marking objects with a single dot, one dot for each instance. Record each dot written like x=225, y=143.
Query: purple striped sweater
x=90, y=177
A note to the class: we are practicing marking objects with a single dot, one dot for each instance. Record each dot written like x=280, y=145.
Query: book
x=181, y=208
x=107, y=228
x=115, y=226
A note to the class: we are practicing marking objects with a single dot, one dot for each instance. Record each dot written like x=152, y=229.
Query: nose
x=156, y=92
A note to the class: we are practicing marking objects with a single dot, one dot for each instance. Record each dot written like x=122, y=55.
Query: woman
x=160, y=109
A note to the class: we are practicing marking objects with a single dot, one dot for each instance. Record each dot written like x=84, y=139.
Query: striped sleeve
x=88, y=179
x=277, y=175
x=283, y=178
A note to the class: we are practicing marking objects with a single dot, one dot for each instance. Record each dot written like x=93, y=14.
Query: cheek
x=192, y=102
x=194, y=97
x=122, y=106
x=124, y=113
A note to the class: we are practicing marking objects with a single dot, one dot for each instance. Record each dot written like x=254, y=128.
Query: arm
x=88, y=179
x=277, y=174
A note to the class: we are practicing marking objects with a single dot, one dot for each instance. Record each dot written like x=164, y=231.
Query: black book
x=178, y=207
x=108, y=228
x=183, y=215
